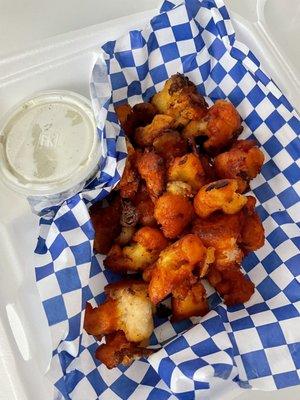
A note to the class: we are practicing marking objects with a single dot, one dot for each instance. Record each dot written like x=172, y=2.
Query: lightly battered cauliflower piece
x=220, y=127
x=188, y=169
x=143, y=251
x=180, y=100
x=144, y=136
x=193, y=304
x=173, y=212
x=174, y=266
x=242, y=162
x=151, y=168
x=219, y=195
x=127, y=308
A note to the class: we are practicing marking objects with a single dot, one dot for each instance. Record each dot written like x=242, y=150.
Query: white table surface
x=22, y=23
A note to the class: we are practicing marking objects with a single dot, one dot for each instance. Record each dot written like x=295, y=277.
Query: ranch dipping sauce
x=49, y=147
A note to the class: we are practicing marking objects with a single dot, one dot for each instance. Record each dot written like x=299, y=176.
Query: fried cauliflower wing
x=221, y=232
x=129, y=182
x=180, y=100
x=180, y=188
x=170, y=144
x=252, y=230
x=106, y=223
x=118, y=350
x=219, y=195
x=144, y=136
x=174, y=266
x=173, y=212
x=231, y=284
x=144, y=206
x=143, y=251
x=151, y=168
x=127, y=308
x=220, y=127
x=130, y=118
x=242, y=162
x=192, y=305
x=188, y=169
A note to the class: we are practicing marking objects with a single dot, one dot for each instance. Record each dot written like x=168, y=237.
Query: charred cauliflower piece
x=174, y=266
x=219, y=195
x=151, y=168
x=173, y=212
x=118, y=350
x=180, y=100
x=188, y=169
x=242, y=162
x=170, y=144
x=127, y=309
x=193, y=304
x=144, y=136
x=130, y=118
x=220, y=127
x=143, y=251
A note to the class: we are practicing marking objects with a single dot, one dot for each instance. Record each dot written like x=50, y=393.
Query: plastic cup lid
x=48, y=143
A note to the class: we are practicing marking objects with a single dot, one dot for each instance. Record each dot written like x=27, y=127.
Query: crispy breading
x=180, y=188
x=193, y=304
x=219, y=195
x=118, y=350
x=179, y=98
x=221, y=126
x=125, y=235
x=221, y=232
x=242, y=162
x=170, y=144
x=129, y=182
x=151, y=168
x=144, y=206
x=106, y=223
x=132, y=117
x=127, y=308
x=231, y=284
x=252, y=230
x=144, y=136
x=174, y=266
x=188, y=169
x=143, y=251
x=173, y=212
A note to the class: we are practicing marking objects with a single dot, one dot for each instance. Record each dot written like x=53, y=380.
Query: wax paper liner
x=255, y=345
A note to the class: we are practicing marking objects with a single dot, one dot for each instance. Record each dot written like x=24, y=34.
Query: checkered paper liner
x=255, y=345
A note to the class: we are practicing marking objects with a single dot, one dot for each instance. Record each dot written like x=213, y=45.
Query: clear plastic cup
x=49, y=147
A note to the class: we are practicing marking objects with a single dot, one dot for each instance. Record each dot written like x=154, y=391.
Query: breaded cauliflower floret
x=130, y=118
x=143, y=251
x=180, y=188
x=188, y=169
x=219, y=195
x=106, y=223
x=144, y=206
x=180, y=100
x=127, y=308
x=129, y=182
x=173, y=212
x=144, y=136
x=151, y=168
x=252, y=231
x=193, y=304
x=118, y=350
x=174, y=266
x=170, y=145
x=220, y=127
x=221, y=232
x=231, y=284
x=242, y=162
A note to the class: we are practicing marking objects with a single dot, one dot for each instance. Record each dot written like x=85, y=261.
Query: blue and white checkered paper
x=255, y=345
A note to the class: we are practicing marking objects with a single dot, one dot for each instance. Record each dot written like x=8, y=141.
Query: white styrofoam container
x=270, y=28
